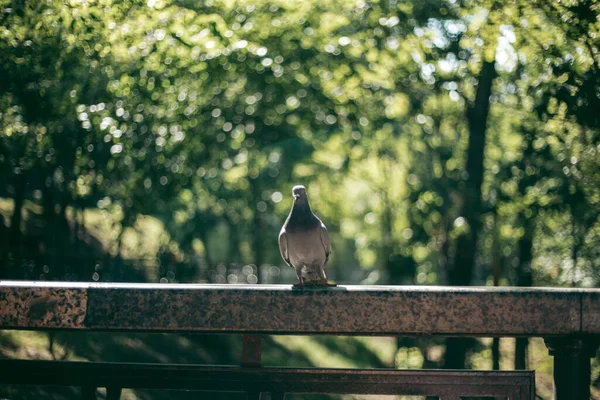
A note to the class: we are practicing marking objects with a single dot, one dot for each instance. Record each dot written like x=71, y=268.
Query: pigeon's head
x=299, y=193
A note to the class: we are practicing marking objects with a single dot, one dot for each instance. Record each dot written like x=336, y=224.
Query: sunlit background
x=442, y=142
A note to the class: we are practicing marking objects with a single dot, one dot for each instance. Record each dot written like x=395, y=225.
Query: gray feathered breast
x=304, y=241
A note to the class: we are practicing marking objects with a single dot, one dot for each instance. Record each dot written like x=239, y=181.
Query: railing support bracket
x=572, y=365
x=251, y=350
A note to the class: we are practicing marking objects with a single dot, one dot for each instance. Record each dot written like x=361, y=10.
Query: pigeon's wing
x=283, y=247
x=325, y=241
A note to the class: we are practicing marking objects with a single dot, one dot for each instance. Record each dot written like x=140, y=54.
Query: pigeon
x=304, y=242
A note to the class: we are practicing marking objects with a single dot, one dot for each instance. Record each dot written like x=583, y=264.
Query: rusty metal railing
x=568, y=319
x=447, y=385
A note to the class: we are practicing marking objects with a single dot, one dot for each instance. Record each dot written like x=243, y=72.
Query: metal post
x=251, y=350
x=251, y=357
x=572, y=366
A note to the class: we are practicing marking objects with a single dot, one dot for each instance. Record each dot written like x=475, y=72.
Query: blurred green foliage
x=203, y=114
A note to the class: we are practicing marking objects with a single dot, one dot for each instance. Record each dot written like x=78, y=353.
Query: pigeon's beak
x=296, y=196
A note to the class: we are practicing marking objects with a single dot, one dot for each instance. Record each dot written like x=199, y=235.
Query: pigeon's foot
x=313, y=285
x=325, y=283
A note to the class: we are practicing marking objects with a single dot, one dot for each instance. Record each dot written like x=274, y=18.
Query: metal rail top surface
x=283, y=309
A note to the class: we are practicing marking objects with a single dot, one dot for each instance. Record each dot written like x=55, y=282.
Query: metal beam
x=281, y=309
x=275, y=380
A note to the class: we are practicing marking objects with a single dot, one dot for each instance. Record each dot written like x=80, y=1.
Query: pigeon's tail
x=310, y=274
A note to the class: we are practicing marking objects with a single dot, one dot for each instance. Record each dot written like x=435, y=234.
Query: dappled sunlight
x=341, y=352
x=202, y=116
x=440, y=142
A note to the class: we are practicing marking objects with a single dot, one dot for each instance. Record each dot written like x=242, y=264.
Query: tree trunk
x=461, y=270
x=3, y=249
x=51, y=234
x=235, y=256
x=207, y=274
x=257, y=237
x=577, y=244
x=15, y=233
x=386, y=232
x=496, y=273
x=17, y=216
x=524, y=278
x=119, y=266
x=62, y=215
x=464, y=260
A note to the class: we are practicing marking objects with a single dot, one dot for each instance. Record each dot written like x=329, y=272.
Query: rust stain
x=336, y=311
